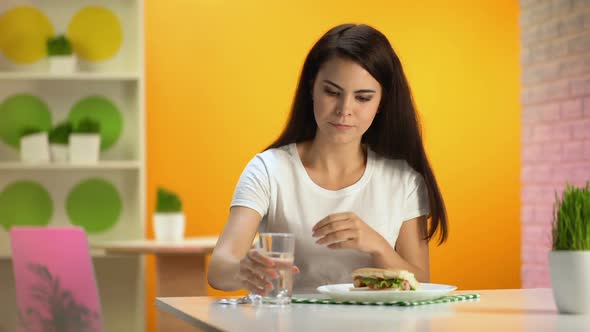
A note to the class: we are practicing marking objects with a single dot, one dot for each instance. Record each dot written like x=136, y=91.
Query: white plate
x=342, y=292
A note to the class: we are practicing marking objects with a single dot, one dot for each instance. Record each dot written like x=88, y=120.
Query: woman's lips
x=341, y=126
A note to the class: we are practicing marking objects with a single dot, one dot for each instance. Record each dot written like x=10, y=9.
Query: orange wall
x=221, y=75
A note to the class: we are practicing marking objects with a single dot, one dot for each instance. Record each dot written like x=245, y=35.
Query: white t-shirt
x=276, y=185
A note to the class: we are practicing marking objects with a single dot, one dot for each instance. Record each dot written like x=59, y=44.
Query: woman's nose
x=345, y=107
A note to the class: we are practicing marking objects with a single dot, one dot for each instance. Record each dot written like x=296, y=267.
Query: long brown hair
x=395, y=132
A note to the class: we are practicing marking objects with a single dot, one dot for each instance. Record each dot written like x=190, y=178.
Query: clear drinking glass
x=280, y=247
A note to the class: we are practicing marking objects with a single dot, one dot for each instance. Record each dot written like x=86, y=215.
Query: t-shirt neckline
x=340, y=192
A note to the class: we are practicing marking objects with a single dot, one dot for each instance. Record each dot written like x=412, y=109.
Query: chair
x=54, y=277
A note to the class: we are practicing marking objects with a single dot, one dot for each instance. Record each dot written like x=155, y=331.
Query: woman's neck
x=333, y=159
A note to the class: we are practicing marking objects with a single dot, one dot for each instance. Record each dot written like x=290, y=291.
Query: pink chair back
x=55, y=282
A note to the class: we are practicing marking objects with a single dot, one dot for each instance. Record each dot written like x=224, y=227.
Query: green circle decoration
x=25, y=203
x=19, y=112
x=94, y=204
x=100, y=109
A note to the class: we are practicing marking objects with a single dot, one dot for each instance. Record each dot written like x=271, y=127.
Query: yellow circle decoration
x=96, y=33
x=24, y=31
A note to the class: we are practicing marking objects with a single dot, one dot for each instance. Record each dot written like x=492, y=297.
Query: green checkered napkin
x=444, y=299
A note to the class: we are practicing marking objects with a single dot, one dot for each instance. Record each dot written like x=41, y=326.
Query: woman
x=348, y=176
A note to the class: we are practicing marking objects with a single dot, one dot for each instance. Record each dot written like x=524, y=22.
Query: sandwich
x=384, y=279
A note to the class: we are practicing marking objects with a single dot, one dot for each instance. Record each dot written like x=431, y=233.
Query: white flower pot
x=34, y=148
x=59, y=152
x=62, y=64
x=84, y=148
x=169, y=227
x=570, y=280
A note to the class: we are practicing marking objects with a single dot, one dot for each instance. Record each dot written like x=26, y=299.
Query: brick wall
x=555, y=58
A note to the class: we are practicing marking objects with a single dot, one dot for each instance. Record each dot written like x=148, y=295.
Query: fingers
x=256, y=272
x=332, y=227
x=254, y=284
x=348, y=244
x=255, y=280
x=251, y=288
x=255, y=268
x=332, y=218
x=259, y=258
x=338, y=236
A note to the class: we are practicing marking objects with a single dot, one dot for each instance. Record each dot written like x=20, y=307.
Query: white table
x=180, y=268
x=497, y=310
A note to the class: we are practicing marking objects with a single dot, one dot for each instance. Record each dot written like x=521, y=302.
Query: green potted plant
x=59, y=137
x=84, y=144
x=569, y=261
x=169, y=221
x=61, y=55
x=34, y=145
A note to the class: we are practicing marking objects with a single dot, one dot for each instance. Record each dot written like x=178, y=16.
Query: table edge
x=185, y=317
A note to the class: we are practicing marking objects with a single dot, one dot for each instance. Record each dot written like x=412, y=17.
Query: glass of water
x=280, y=247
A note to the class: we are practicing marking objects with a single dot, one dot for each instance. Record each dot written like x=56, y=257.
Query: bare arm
x=233, y=245
x=411, y=251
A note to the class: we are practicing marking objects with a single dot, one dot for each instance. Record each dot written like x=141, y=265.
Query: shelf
x=82, y=76
x=102, y=165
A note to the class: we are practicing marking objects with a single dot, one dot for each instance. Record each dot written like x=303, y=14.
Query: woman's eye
x=363, y=99
x=331, y=92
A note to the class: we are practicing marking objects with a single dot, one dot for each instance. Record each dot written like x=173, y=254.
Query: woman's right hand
x=257, y=271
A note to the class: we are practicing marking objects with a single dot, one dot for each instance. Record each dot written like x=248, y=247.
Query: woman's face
x=345, y=101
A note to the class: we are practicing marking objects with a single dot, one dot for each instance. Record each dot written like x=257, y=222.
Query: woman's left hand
x=348, y=231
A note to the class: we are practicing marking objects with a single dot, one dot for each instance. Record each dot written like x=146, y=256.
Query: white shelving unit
x=122, y=76
x=104, y=165
x=122, y=81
